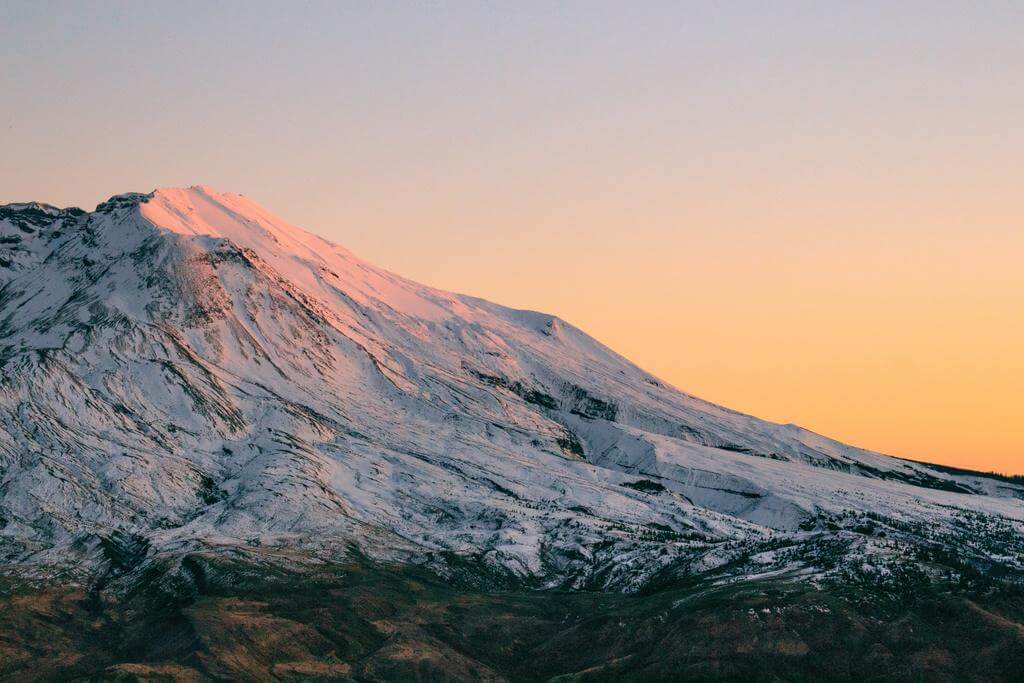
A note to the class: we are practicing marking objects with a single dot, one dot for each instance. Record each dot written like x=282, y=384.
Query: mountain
x=184, y=374
x=185, y=369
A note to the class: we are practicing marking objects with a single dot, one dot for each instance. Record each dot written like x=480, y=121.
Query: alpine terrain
x=231, y=449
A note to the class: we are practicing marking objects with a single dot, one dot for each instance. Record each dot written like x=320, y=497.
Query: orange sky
x=811, y=213
x=897, y=326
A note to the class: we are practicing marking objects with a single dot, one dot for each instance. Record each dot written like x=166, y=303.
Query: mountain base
x=217, y=618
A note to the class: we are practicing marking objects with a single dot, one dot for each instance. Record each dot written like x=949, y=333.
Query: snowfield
x=185, y=370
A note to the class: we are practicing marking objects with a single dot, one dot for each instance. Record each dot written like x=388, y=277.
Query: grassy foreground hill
x=207, y=617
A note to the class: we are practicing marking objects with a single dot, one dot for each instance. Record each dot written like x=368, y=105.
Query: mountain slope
x=183, y=370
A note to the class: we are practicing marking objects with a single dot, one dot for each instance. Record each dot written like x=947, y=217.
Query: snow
x=187, y=368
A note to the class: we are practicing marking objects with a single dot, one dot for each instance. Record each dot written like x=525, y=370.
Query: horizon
x=847, y=261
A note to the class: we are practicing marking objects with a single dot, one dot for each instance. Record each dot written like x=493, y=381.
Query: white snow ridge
x=183, y=370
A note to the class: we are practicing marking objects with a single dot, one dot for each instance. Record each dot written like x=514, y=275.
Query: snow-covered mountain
x=185, y=370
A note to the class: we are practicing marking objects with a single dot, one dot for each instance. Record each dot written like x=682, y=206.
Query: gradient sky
x=812, y=212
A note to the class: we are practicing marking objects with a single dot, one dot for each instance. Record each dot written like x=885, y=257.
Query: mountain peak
x=203, y=212
x=20, y=207
x=184, y=196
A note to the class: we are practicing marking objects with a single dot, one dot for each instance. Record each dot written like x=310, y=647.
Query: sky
x=812, y=212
